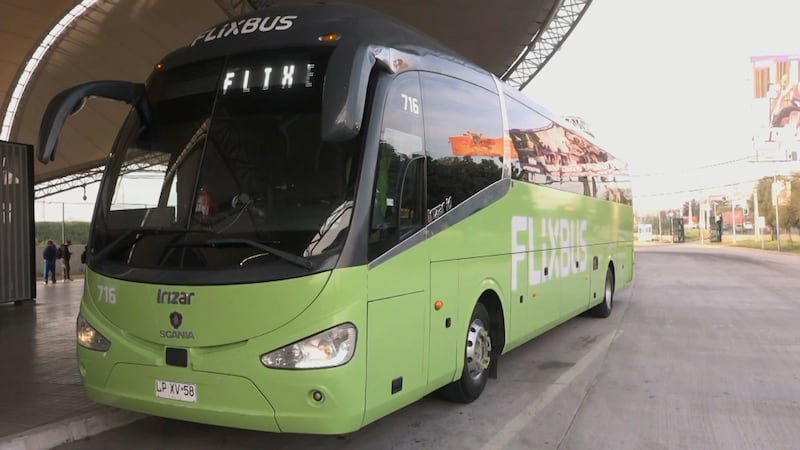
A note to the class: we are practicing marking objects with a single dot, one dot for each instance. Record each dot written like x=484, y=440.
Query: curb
x=69, y=430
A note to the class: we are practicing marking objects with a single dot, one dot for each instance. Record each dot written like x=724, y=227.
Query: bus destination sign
x=282, y=76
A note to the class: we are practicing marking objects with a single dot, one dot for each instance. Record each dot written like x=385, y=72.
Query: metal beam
x=546, y=42
x=94, y=175
x=67, y=183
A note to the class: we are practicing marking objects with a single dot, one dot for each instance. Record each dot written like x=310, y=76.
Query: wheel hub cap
x=479, y=349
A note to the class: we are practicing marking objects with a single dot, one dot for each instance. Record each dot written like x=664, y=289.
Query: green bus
x=314, y=216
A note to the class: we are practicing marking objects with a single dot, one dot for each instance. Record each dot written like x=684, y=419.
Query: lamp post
x=733, y=218
x=659, y=226
x=671, y=225
x=63, y=234
x=757, y=226
x=702, y=218
x=776, y=187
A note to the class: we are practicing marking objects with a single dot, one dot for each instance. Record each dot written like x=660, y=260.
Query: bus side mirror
x=70, y=101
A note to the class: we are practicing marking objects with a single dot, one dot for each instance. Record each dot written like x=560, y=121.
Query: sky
x=667, y=86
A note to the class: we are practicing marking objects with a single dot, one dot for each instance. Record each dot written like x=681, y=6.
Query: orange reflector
x=159, y=66
x=330, y=37
x=438, y=305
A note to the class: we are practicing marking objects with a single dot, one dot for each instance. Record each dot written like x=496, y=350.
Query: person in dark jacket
x=50, y=255
x=66, y=254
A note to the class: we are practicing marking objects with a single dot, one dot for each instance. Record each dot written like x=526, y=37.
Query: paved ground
x=42, y=401
x=703, y=352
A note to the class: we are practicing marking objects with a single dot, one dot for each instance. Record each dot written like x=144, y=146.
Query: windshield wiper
x=117, y=243
x=294, y=259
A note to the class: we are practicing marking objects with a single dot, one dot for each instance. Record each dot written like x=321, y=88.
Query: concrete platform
x=42, y=401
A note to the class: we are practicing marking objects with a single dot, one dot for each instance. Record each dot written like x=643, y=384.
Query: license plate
x=173, y=390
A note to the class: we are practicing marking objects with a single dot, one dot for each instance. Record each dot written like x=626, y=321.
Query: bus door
x=443, y=310
x=398, y=277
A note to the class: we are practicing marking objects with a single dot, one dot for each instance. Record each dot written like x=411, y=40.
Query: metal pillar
x=17, y=262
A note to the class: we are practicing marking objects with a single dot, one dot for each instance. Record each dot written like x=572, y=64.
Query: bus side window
x=463, y=141
x=397, y=200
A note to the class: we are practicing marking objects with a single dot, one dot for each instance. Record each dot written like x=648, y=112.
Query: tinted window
x=464, y=140
x=546, y=153
x=231, y=161
x=397, y=200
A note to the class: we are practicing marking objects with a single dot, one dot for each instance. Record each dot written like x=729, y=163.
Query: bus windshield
x=231, y=172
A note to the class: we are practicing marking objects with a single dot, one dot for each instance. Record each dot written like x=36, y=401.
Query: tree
x=75, y=232
x=789, y=214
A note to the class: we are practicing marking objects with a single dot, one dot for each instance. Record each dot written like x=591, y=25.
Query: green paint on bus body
x=234, y=388
x=532, y=250
x=533, y=255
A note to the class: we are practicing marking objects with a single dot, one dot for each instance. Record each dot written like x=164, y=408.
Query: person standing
x=65, y=255
x=50, y=254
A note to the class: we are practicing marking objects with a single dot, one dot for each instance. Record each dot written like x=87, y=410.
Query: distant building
x=645, y=232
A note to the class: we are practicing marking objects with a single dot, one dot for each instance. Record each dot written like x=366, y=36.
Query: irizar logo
x=174, y=297
x=558, y=245
x=246, y=26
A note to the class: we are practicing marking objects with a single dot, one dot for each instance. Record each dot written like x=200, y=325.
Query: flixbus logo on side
x=550, y=247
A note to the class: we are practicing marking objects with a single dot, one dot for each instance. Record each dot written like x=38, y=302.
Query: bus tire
x=603, y=309
x=477, y=359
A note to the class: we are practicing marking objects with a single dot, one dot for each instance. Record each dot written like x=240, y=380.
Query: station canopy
x=123, y=39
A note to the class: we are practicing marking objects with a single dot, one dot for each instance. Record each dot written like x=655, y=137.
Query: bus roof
x=302, y=25
x=365, y=37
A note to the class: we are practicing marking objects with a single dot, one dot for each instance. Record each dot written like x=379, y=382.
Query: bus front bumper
x=227, y=400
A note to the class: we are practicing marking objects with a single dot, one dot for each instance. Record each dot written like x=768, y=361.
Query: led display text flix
x=284, y=76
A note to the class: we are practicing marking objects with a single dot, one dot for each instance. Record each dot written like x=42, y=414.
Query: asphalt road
x=702, y=352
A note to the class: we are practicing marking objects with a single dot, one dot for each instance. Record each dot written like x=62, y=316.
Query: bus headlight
x=89, y=337
x=331, y=348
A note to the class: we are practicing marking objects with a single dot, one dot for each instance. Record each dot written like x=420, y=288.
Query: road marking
x=511, y=430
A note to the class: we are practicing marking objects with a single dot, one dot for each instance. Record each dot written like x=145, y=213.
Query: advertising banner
x=776, y=83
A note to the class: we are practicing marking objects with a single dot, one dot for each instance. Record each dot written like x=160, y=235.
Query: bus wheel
x=477, y=359
x=603, y=310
